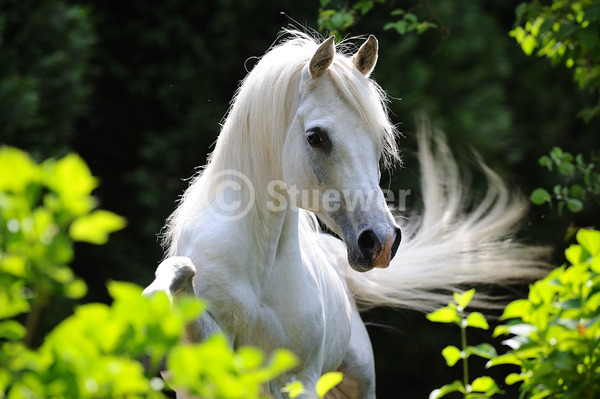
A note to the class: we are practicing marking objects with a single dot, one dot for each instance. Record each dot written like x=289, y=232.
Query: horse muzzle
x=374, y=249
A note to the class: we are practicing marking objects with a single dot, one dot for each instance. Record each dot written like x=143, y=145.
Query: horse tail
x=454, y=244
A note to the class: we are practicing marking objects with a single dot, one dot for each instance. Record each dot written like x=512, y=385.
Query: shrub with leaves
x=583, y=181
x=44, y=209
x=337, y=17
x=455, y=313
x=566, y=32
x=556, y=340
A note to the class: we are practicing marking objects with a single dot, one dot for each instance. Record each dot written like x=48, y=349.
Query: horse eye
x=315, y=137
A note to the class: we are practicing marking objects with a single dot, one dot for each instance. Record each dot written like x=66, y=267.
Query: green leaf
x=327, y=382
x=516, y=309
x=576, y=191
x=508, y=358
x=72, y=180
x=477, y=320
x=514, y=378
x=456, y=386
x=528, y=44
x=444, y=315
x=566, y=168
x=12, y=330
x=452, y=355
x=574, y=205
x=281, y=361
x=12, y=300
x=249, y=357
x=590, y=240
x=22, y=169
x=484, y=384
x=95, y=227
x=75, y=289
x=545, y=161
x=539, y=196
x=483, y=350
x=465, y=298
x=294, y=389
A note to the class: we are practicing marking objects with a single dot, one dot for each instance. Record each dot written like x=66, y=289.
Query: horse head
x=333, y=150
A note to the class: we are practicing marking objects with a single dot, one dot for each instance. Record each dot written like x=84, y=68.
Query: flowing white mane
x=256, y=124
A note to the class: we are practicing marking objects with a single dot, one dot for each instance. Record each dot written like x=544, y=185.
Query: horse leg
x=358, y=365
x=175, y=277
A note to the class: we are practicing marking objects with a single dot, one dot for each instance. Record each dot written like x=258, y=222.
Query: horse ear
x=366, y=56
x=322, y=58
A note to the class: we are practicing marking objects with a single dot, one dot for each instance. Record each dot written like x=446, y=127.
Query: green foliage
x=45, y=48
x=408, y=22
x=338, y=18
x=556, y=340
x=583, y=181
x=44, y=209
x=212, y=370
x=566, y=32
x=455, y=313
x=555, y=332
x=94, y=353
x=327, y=382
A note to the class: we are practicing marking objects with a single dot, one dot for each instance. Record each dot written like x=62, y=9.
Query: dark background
x=138, y=89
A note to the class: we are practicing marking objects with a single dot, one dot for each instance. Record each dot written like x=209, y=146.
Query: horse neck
x=251, y=145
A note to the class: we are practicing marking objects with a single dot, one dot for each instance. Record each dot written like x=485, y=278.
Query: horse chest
x=270, y=316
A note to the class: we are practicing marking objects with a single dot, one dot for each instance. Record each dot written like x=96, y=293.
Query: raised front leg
x=174, y=276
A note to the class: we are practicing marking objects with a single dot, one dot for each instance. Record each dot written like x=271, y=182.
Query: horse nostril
x=369, y=244
x=396, y=243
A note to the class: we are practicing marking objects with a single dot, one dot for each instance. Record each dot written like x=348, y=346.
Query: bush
x=557, y=328
x=555, y=333
x=97, y=352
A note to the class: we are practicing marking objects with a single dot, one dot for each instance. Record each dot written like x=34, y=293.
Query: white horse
x=305, y=135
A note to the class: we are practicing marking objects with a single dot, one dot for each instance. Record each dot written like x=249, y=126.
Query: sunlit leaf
x=456, y=386
x=75, y=289
x=249, y=358
x=483, y=350
x=477, y=320
x=590, y=240
x=18, y=170
x=294, y=389
x=465, y=298
x=514, y=378
x=281, y=361
x=508, y=358
x=484, y=384
x=517, y=308
x=327, y=382
x=11, y=330
x=95, y=227
x=444, y=315
x=12, y=300
x=452, y=355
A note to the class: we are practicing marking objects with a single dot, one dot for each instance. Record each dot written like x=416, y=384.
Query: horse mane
x=254, y=128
